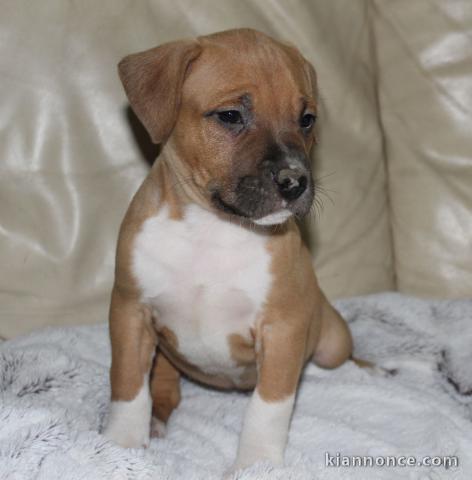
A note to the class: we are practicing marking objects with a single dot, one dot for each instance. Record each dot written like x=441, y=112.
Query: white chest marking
x=206, y=279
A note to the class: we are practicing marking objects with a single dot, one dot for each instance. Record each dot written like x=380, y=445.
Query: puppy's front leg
x=280, y=359
x=133, y=344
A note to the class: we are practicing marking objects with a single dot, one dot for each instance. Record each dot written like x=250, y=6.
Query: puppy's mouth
x=220, y=204
x=269, y=198
x=277, y=217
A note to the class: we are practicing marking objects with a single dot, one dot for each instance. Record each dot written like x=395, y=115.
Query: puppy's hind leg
x=335, y=344
x=165, y=391
x=335, y=341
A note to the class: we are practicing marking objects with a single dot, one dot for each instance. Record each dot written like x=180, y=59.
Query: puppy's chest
x=206, y=279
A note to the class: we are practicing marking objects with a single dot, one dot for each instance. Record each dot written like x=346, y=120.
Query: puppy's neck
x=175, y=182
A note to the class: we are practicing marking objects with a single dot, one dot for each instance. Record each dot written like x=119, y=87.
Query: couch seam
x=371, y=11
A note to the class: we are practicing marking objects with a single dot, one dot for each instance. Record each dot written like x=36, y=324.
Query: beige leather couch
x=395, y=154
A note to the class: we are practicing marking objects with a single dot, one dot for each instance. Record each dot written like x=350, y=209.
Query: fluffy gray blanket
x=54, y=396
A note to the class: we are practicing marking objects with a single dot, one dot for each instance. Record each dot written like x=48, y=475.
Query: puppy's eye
x=307, y=121
x=230, y=116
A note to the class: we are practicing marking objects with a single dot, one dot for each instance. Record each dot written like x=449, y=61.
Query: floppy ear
x=308, y=69
x=312, y=78
x=153, y=82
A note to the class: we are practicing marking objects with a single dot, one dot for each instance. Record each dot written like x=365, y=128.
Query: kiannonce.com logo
x=339, y=460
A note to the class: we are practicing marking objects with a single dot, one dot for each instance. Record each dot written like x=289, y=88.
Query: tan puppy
x=212, y=278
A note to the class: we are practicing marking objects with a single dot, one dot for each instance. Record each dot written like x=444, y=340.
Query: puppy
x=212, y=278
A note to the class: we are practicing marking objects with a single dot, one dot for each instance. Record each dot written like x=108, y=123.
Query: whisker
x=320, y=193
x=330, y=174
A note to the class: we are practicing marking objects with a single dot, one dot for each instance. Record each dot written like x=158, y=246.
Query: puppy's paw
x=127, y=436
x=271, y=458
x=375, y=369
x=233, y=472
x=230, y=474
x=239, y=465
x=158, y=428
x=127, y=428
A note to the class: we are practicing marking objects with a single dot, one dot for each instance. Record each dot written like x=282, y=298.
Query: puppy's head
x=237, y=109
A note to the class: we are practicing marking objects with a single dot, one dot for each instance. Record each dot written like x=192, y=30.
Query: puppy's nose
x=291, y=183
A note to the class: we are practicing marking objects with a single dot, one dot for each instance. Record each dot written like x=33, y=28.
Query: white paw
x=276, y=459
x=127, y=436
x=129, y=423
x=230, y=474
x=376, y=370
x=158, y=428
x=382, y=372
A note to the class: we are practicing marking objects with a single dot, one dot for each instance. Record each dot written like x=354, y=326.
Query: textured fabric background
x=54, y=397
x=424, y=55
